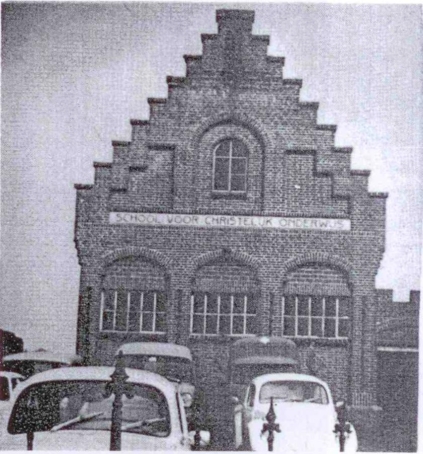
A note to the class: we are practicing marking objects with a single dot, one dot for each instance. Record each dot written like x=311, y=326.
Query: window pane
x=238, y=324
x=211, y=324
x=238, y=183
x=239, y=304
x=239, y=166
x=197, y=325
x=329, y=327
x=199, y=302
x=302, y=305
x=211, y=304
x=223, y=149
x=221, y=174
x=344, y=306
x=330, y=309
x=251, y=325
x=107, y=320
x=161, y=322
x=225, y=303
x=289, y=326
x=109, y=300
x=148, y=305
x=134, y=321
x=290, y=305
x=302, y=326
x=238, y=149
x=251, y=305
x=343, y=328
x=317, y=306
x=134, y=311
x=147, y=322
x=224, y=324
x=316, y=327
x=135, y=303
x=161, y=302
x=121, y=310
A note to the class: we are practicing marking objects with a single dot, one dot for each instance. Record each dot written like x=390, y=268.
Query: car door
x=247, y=413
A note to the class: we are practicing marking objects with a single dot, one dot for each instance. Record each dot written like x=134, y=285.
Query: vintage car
x=303, y=411
x=169, y=360
x=71, y=409
x=30, y=363
x=8, y=383
x=259, y=355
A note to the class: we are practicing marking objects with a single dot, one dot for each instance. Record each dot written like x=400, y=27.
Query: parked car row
x=274, y=408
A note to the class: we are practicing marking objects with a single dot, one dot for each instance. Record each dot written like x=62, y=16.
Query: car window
x=15, y=382
x=4, y=388
x=84, y=405
x=180, y=369
x=293, y=391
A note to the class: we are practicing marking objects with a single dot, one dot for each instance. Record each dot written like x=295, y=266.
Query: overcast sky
x=74, y=74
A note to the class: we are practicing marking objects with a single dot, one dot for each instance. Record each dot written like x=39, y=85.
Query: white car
x=304, y=411
x=69, y=409
x=30, y=363
x=8, y=383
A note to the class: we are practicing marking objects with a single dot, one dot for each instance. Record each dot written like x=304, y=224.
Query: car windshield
x=243, y=374
x=293, y=391
x=170, y=367
x=84, y=405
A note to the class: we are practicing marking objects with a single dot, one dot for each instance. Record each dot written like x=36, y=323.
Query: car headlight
x=187, y=399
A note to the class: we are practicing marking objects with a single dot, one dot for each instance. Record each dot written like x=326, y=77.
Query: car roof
x=155, y=349
x=262, y=379
x=46, y=356
x=99, y=373
x=253, y=340
x=8, y=374
x=264, y=350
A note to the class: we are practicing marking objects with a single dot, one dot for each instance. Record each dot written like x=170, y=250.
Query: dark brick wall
x=235, y=90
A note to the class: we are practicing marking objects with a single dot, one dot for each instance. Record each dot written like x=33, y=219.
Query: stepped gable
x=233, y=82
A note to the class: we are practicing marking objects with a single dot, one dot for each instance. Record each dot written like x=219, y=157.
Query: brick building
x=232, y=213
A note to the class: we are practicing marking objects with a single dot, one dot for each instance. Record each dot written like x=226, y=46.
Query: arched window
x=230, y=167
x=316, y=303
x=133, y=297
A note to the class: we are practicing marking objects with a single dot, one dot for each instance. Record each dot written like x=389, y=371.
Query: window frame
x=229, y=190
x=309, y=317
x=141, y=312
x=231, y=314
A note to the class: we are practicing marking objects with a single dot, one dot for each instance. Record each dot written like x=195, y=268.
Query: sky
x=74, y=74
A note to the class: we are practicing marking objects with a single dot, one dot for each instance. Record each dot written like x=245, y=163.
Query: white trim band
x=398, y=349
x=226, y=221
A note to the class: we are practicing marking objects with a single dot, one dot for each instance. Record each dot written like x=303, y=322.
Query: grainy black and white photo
x=211, y=226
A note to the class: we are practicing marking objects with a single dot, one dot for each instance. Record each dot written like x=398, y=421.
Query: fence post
x=271, y=426
x=118, y=387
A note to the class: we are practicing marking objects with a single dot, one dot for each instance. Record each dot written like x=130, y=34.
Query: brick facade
x=234, y=90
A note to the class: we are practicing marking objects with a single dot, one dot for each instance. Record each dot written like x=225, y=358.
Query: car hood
x=93, y=440
x=305, y=427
